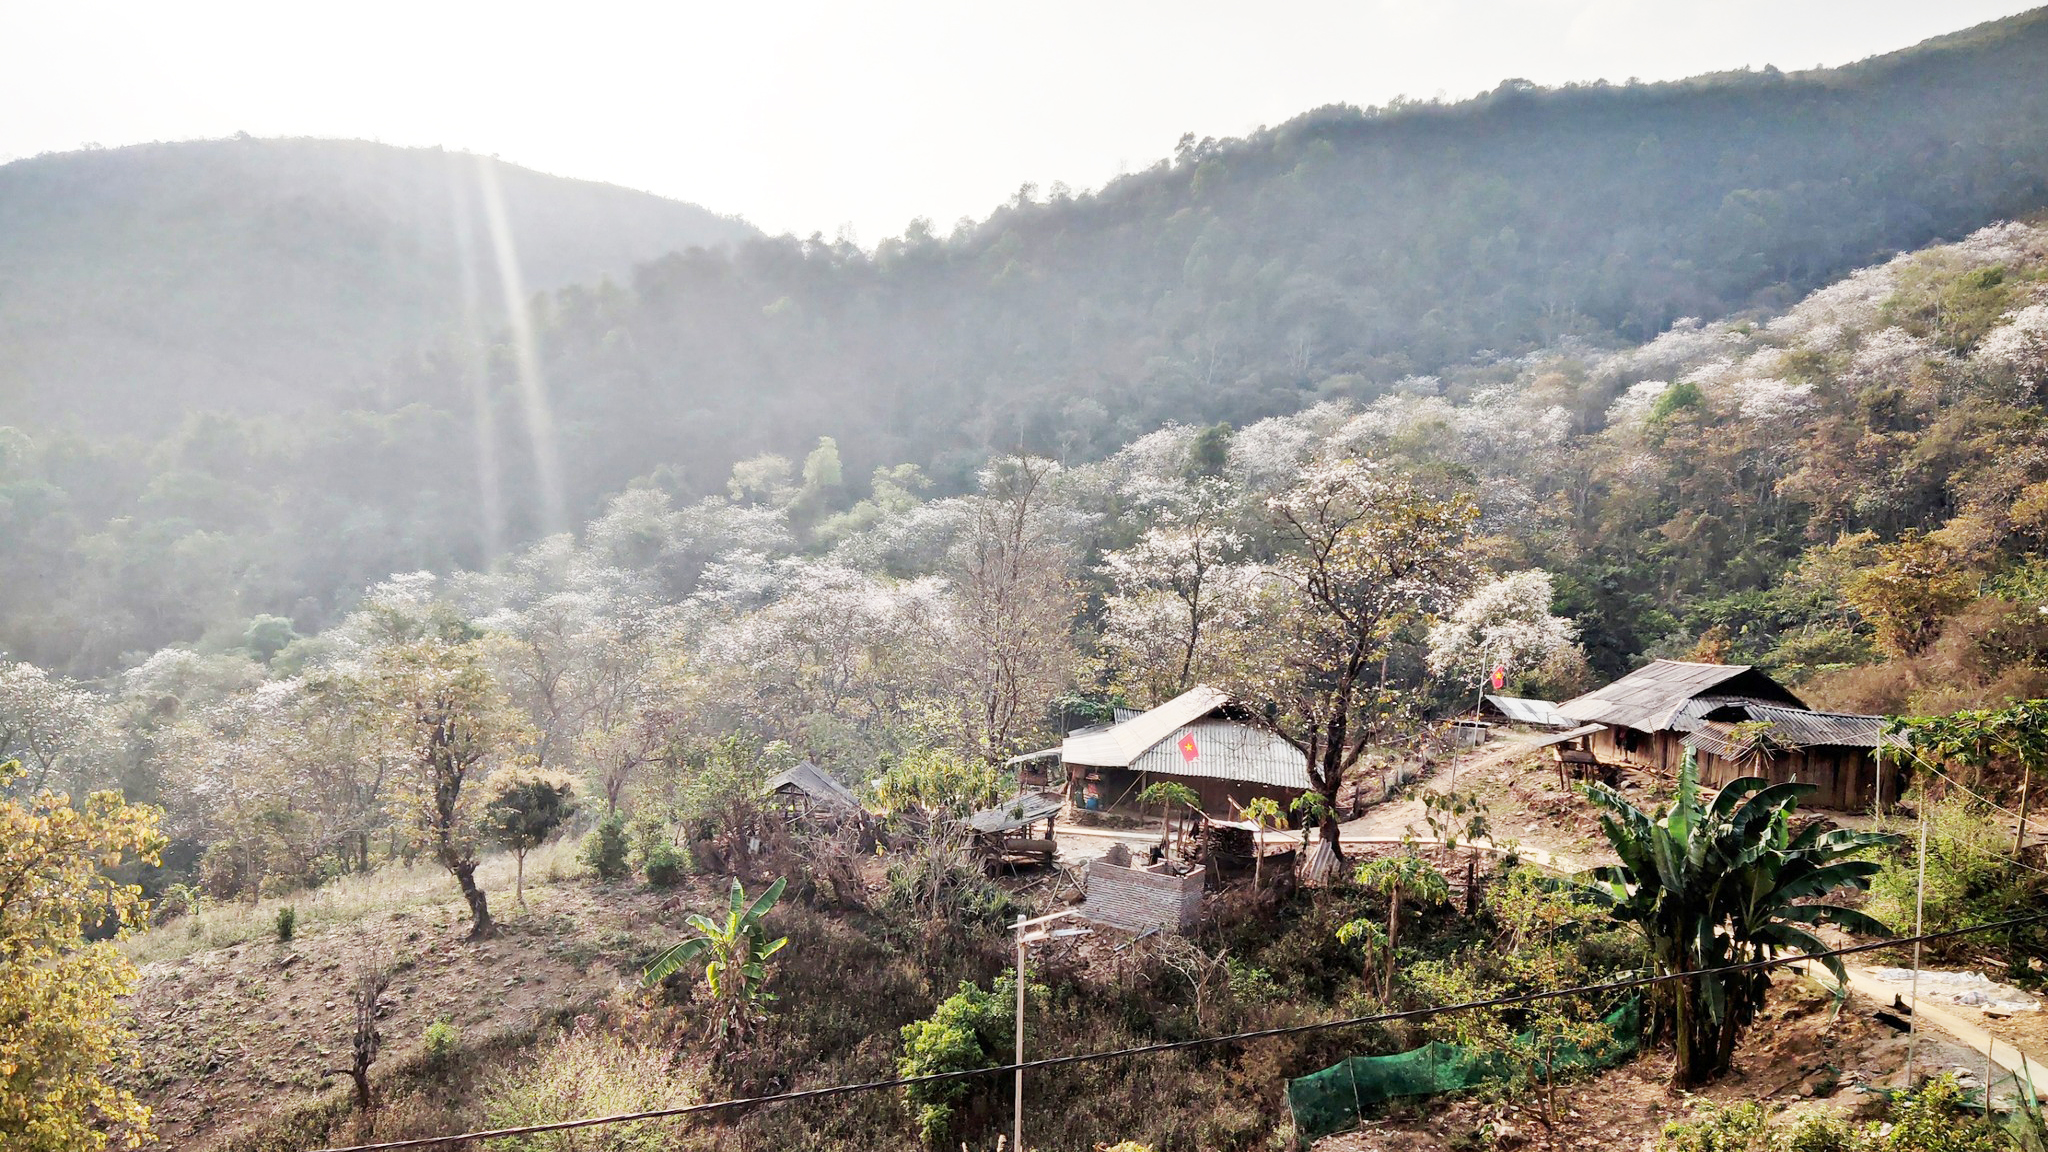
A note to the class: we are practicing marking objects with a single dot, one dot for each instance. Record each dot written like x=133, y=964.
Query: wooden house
x=1201, y=739
x=1739, y=722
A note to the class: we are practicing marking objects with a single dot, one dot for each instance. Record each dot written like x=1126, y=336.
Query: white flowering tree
x=1178, y=587
x=57, y=730
x=1504, y=621
x=1366, y=551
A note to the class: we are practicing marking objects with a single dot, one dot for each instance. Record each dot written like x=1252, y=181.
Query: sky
x=852, y=118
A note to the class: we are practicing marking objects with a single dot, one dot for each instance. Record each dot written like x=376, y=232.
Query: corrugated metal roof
x=1019, y=810
x=1649, y=698
x=1789, y=727
x=1526, y=711
x=1227, y=750
x=811, y=781
x=1118, y=745
x=1573, y=734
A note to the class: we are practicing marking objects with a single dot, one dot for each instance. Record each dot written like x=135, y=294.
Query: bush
x=969, y=1029
x=663, y=864
x=1929, y=1120
x=440, y=1040
x=287, y=923
x=1970, y=880
x=605, y=849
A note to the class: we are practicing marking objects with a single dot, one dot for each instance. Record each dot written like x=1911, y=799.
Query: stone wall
x=1137, y=899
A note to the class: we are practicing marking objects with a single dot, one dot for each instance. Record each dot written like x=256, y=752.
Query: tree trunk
x=519, y=872
x=2019, y=836
x=479, y=905
x=1393, y=938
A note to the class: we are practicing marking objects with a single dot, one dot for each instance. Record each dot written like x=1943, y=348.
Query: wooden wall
x=1847, y=777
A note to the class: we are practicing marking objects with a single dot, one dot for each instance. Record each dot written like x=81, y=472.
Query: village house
x=1199, y=738
x=1739, y=722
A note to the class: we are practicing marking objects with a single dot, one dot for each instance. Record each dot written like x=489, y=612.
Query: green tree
x=523, y=807
x=1404, y=877
x=1169, y=794
x=1719, y=884
x=1264, y=812
x=449, y=721
x=736, y=952
x=59, y=997
x=2017, y=734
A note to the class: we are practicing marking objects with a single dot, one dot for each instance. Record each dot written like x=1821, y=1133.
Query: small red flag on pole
x=1188, y=750
x=1500, y=677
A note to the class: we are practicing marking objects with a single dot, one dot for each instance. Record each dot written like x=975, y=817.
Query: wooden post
x=1017, y=1129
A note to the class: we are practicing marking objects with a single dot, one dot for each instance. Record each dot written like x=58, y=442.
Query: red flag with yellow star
x=1188, y=750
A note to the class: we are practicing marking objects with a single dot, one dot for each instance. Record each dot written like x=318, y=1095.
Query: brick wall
x=1134, y=899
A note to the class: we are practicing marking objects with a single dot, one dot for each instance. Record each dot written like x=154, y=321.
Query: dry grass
x=351, y=898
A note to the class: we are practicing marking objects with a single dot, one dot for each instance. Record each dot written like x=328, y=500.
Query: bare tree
x=1367, y=551
x=1015, y=602
x=365, y=993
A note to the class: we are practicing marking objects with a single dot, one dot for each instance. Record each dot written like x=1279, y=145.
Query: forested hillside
x=1345, y=257
x=254, y=276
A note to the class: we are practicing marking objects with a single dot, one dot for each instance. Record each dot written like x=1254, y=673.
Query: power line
x=1175, y=1045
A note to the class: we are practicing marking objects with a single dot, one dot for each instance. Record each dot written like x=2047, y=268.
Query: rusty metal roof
x=1649, y=698
x=1571, y=734
x=1714, y=731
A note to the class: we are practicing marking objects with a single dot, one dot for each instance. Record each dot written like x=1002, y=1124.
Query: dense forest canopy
x=1340, y=259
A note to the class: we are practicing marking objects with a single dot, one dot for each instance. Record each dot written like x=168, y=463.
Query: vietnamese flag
x=1188, y=750
x=1500, y=677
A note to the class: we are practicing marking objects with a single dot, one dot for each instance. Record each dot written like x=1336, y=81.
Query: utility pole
x=1045, y=932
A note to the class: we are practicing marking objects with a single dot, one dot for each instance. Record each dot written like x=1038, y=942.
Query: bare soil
x=231, y=1036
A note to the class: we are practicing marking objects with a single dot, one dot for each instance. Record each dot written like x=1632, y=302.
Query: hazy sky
x=823, y=116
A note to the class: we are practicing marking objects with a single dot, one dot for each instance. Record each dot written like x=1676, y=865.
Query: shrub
x=1970, y=880
x=605, y=849
x=1744, y=1127
x=1931, y=1119
x=287, y=923
x=440, y=1040
x=661, y=860
x=969, y=1029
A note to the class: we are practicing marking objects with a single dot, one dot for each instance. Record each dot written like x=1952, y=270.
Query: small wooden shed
x=805, y=792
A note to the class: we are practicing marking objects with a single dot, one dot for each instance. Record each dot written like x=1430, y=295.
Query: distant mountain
x=1326, y=257
x=265, y=275
x=284, y=321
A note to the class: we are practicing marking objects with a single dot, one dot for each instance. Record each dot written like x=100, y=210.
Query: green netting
x=1339, y=1096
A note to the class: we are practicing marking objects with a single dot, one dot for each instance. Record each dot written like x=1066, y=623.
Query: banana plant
x=1716, y=883
x=736, y=953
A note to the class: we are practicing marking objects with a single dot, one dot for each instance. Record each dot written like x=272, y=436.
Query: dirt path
x=1527, y=809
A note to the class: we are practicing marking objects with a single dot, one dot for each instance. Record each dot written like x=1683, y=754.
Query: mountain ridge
x=279, y=271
